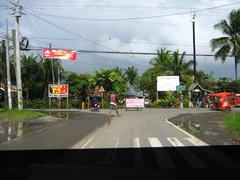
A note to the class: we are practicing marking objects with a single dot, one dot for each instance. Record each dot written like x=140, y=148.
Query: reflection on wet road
x=10, y=129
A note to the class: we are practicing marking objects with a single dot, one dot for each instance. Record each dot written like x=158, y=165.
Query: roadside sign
x=181, y=88
x=59, y=54
x=55, y=90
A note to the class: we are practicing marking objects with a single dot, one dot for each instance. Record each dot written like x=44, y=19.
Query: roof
x=220, y=94
x=194, y=85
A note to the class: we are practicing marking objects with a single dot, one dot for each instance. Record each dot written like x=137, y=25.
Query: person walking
x=181, y=101
x=113, y=103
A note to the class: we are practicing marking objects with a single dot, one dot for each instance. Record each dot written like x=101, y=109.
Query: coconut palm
x=31, y=72
x=130, y=75
x=230, y=43
x=178, y=66
x=163, y=58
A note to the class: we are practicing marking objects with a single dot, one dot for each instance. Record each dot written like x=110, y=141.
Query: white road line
x=117, y=139
x=87, y=142
x=195, y=140
x=136, y=143
x=154, y=142
x=175, y=142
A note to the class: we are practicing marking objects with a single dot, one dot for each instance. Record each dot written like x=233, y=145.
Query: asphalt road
x=136, y=129
x=59, y=135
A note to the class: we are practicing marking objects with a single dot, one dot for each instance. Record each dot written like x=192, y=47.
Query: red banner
x=59, y=54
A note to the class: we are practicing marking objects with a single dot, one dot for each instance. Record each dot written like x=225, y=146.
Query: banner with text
x=59, y=54
x=55, y=90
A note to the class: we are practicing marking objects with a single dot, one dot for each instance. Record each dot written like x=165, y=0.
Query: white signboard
x=134, y=103
x=167, y=83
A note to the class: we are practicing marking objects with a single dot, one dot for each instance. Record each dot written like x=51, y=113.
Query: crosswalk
x=134, y=142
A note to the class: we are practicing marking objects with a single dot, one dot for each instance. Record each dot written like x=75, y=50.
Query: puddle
x=209, y=127
x=11, y=130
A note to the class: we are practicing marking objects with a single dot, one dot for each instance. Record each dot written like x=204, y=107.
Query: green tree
x=163, y=58
x=31, y=73
x=109, y=79
x=230, y=43
x=130, y=75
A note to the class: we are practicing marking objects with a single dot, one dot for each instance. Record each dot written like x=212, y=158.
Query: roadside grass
x=19, y=115
x=232, y=122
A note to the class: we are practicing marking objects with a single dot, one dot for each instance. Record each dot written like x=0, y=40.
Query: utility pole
x=18, y=12
x=194, y=48
x=8, y=69
x=53, y=76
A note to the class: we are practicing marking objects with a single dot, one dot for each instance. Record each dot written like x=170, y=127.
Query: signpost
x=58, y=91
x=101, y=92
x=181, y=88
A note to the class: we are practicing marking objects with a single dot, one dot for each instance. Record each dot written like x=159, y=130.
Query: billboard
x=59, y=54
x=167, y=83
x=134, y=103
x=55, y=90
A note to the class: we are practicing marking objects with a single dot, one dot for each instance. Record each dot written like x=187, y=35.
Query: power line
x=77, y=35
x=137, y=18
x=124, y=42
x=130, y=53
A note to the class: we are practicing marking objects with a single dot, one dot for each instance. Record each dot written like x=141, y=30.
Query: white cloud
x=173, y=32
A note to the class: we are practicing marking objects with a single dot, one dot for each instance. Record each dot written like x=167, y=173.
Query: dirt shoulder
x=208, y=127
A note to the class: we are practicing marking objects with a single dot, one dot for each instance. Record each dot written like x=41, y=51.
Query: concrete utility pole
x=8, y=69
x=194, y=48
x=52, y=64
x=18, y=12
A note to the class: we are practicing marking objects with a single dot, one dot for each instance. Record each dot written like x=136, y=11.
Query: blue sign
x=181, y=88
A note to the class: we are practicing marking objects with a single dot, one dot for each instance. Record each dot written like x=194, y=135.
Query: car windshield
x=119, y=74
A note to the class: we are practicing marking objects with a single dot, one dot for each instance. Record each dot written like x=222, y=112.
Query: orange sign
x=58, y=90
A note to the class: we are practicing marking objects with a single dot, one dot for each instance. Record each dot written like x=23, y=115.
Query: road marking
x=195, y=140
x=117, y=141
x=154, y=142
x=87, y=142
x=136, y=143
x=175, y=142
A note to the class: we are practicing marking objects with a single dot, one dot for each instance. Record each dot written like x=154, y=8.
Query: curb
x=194, y=140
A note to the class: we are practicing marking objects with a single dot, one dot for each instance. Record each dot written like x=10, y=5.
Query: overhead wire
x=138, y=18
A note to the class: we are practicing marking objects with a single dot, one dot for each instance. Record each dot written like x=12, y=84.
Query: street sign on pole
x=181, y=88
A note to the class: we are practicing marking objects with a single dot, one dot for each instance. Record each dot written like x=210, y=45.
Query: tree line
x=37, y=74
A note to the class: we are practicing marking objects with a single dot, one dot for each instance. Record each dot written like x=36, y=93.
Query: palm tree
x=230, y=43
x=130, y=75
x=178, y=66
x=163, y=58
x=31, y=72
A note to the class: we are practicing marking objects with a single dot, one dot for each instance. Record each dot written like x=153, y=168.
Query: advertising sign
x=167, y=83
x=55, y=90
x=59, y=54
x=134, y=103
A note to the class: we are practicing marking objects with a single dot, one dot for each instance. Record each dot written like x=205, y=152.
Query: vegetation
x=19, y=115
x=37, y=74
x=228, y=44
x=232, y=122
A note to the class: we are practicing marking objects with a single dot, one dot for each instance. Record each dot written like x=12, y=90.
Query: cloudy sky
x=122, y=25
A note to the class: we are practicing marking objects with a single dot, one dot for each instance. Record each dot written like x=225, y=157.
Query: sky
x=118, y=25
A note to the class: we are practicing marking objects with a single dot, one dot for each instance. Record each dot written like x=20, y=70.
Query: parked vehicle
x=238, y=100
x=222, y=101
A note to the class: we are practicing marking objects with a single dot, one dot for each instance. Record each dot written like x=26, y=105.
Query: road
x=135, y=129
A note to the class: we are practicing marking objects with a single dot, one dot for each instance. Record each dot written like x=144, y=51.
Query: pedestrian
x=181, y=101
x=113, y=103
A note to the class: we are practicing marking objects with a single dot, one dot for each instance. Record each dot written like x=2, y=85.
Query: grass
x=19, y=115
x=232, y=122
